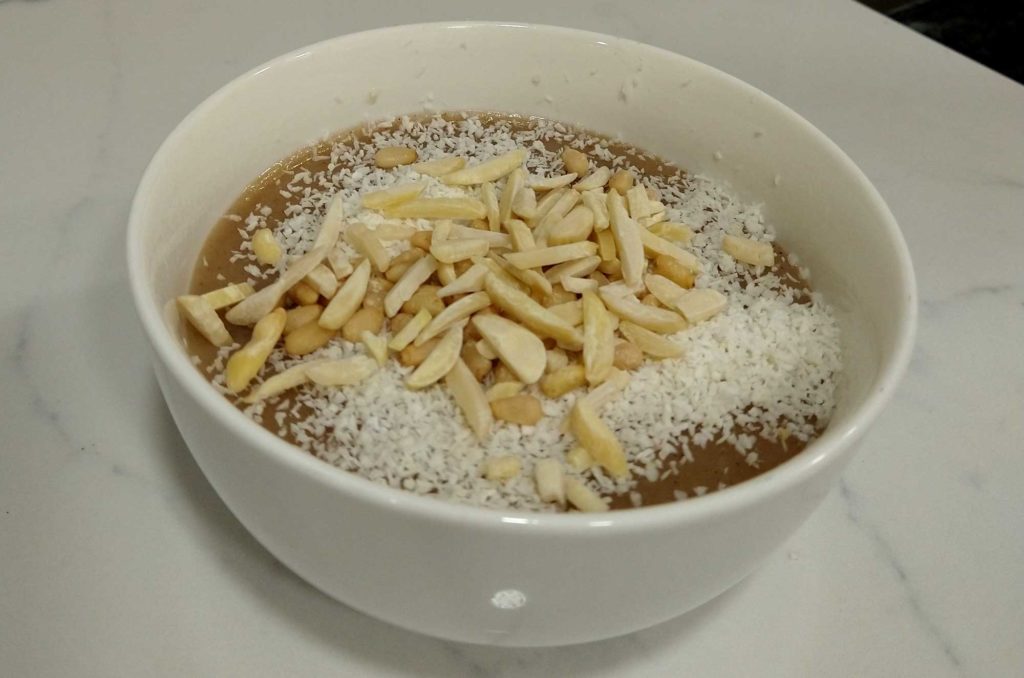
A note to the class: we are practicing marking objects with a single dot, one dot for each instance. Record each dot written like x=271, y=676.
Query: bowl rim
x=820, y=453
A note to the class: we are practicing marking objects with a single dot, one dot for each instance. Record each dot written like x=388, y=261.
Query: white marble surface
x=116, y=556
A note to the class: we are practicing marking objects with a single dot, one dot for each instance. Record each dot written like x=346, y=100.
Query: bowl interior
x=820, y=204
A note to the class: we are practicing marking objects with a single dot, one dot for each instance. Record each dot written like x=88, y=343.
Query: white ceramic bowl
x=487, y=576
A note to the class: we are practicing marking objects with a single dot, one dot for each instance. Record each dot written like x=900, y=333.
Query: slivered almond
x=570, y=311
x=202, y=316
x=749, y=251
x=558, y=382
x=330, y=227
x=513, y=185
x=294, y=376
x=699, y=305
x=494, y=239
x=598, y=339
x=554, y=215
x=258, y=305
x=446, y=273
x=491, y=170
x=439, y=208
x=524, y=204
x=519, y=348
x=496, y=269
x=227, y=295
x=606, y=246
x=548, y=476
x=376, y=345
x=548, y=256
x=599, y=440
x=306, y=339
x=551, y=183
x=393, y=156
x=347, y=299
x=651, y=343
x=394, y=230
x=574, y=226
x=596, y=202
x=520, y=306
x=340, y=263
x=484, y=348
x=657, y=319
x=556, y=360
x=410, y=330
x=470, y=281
x=303, y=294
x=500, y=469
x=596, y=179
x=628, y=243
x=657, y=246
x=323, y=280
x=639, y=205
x=579, y=458
x=504, y=389
x=521, y=235
x=343, y=372
x=469, y=396
x=245, y=363
x=582, y=497
x=529, y=277
x=577, y=267
x=663, y=289
x=598, y=397
x=440, y=166
x=672, y=231
x=301, y=315
x=674, y=270
x=490, y=200
x=367, y=244
x=415, y=275
x=438, y=362
x=463, y=308
x=401, y=263
x=578, y=285
x=450, y=251
x=389, y=197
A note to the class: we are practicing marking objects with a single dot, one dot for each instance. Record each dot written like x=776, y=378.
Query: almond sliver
x=597, y=438
x=470, y=397
x=417, y=274
x=548, y=256
x=651, y=343
x=412, y=329
x=519, y=348
x=439, y=362
x=491, y=170
x=343, y=372
x=551, y=183
x=659, y=246
x=439, y=208
x=596, y=179
x=202, y=316
x=439, y=167
x=513, y=185
x=470, y=281
x=228, y=295
x=259, y=304
x=463, y=308
x=598, y=339
x=530, y=313
x=389, y=197
x=653, y=318
x=347, y=300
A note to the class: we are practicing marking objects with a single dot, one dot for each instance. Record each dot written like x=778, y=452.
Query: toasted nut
x=639, y=205
x=376, y=345
x=547, y=474
x=651, y=343
x=524, y=204
x=514, y=184
x=490, y=200
x=364, y=320
x=672, y=231
x=394, y=230
x=376, y=291
x=438, y=208
x=483, y=347
x=491, y=170
x=554, y=215
x=575, y=161
x=531, y=314
x=621, y=182
x=599, y=440
x=347, y=299
x=323, y=281
x=398, y=323
x=502, y=374
x=412, y=356
x=389, y=197
x=344, y=372
x=439, y=167
x=596, y=202
x=657, y=319
x=294, y=376
x=307, y=338
x=409, y=285
x=556, y=359
x=266, y=248
x=470, y=281
x=227, y=295
x=258, y=305
x=574, y=227
x=558, y=383
x=598, y=339
x=421, y=239
x=405, y=334
x=595, y=180
x=548, y=256
x=551, y=183
x=246, y=362
x=303, y=294
x=425, y=297
x=628, y=244
x=671, y=268
x=393, y=156
x=450, y=251
x=655, y=247
x=200, y=314
x=469, y=396
x=650, y=300
x=628, y=356
x=579, y=458
x=301, y=315
x=517, y=347
x=367, y=244
x=583, y=498
x=401, y=263
x=749, y=251
x=439, y=361
x=520, y=409
x=504, y=389
x=478, y=364
x=570, y=311
x=461, y=309
x=699, y=305
x=499, y=469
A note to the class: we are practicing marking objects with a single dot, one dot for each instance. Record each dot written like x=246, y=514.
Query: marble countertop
x=118, y=559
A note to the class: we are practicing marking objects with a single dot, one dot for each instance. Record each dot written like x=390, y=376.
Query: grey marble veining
x=116, y=556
